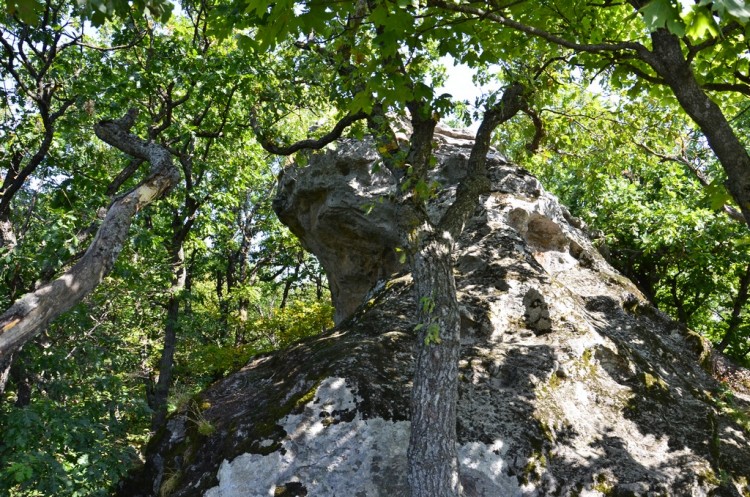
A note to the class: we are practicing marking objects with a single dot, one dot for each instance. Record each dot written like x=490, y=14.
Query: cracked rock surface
x=571, y=383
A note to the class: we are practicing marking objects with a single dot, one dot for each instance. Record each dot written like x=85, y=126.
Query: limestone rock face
x=571, y=384
x=339, y=207
x=330, y=206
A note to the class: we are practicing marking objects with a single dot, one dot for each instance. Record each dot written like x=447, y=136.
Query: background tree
x=76, y=413
x=693, y=51
x=638, y=174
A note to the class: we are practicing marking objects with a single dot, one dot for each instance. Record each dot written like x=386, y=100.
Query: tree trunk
x=432, y=454
x=166, y=363
x=669, y=62
x=7, y=234
x=433, y=458
x=180, y=284
x=22, y=382
x=739, y=304
x=161, y=389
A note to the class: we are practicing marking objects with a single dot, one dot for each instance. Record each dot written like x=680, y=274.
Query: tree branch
x=557, y=40
x=732, y=87
x=321, y=142
x=728, y=209
x=694, y=49
x=28, y=316
x=476, y=182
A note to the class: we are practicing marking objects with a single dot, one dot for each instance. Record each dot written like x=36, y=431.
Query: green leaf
x=735, y=8
x=362, y=101
x=401, y=255
x=379, y=15
x=657, y=13
x=246, y=43
x=717, y=195
x=676, y=27
x=27, y=10
x=699, y=22
x=433, y=335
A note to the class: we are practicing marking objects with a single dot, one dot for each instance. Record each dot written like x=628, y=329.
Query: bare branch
x=317, y=144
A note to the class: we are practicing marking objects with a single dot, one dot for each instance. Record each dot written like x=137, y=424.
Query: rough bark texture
x=570, y=383
x=432, y=454
x=28, y=315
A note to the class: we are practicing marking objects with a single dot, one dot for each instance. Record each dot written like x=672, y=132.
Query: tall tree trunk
x=166, y=363
x=290, y=281
x=21, y=380
x=433, y=458
x=739, y=304
x=432, y=454
x=7, y=233
x=10, y=369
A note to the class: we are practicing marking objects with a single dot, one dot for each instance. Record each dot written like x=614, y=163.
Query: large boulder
x=571, y=383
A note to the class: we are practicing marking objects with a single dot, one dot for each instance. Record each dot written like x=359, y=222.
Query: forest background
x=208, y=277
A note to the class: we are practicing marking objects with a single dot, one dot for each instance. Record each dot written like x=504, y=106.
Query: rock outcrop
x=571, y=383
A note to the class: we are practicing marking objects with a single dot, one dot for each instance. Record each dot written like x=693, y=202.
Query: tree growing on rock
x=368, y=59
x=378, y=57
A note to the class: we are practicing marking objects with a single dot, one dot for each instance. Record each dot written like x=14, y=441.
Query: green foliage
x=299, y=320
x=83, y=429
x=97, y=11
x=211, y=361
x=617, y=151
x=698, y=21
x=86, y=417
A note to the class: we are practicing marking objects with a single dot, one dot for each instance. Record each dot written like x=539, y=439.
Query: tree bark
x=28, y=315
x=161, y=389
x=669, y=62
x=432, y=454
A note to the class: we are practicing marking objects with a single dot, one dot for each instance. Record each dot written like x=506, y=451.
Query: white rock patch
x=361, y=458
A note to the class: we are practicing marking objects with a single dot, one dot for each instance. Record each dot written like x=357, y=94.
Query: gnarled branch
x=313, y=144
x=28, y=316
